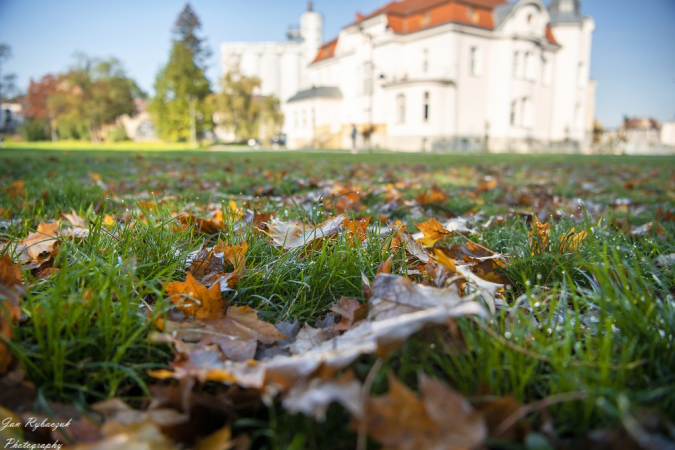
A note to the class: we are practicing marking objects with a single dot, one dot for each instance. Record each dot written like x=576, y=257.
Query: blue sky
x=633, y=54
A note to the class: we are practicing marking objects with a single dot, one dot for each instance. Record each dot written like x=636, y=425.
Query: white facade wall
x=281, y=67
x=668, y=133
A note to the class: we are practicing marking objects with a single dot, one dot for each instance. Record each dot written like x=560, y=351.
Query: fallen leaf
x=355, y=230
x=314, y=397
x=15, y=190
x=350, y=311
x=436, y=195
x=439, y=419
x=393, y=295
x=75, y=220
x=243, y=323
x=11, y=292
x=233, y=254
x=196, y=300
x=370, y=336
x=539, y=236
x=445, y=261
x=290, y=235
x=432, y=231
x=205, y=226
x=487, y=185
x=572, y=241
x=40, y=242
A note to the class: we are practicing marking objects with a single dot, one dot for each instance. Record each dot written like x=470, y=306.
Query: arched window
x=400, y=108
x=527, y=66
x=426, y=106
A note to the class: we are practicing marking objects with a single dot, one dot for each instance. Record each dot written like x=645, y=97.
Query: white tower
x=574, y=96
x=311, y=31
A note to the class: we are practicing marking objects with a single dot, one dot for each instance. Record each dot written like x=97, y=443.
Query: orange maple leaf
x=196, y=300
x=433, y=231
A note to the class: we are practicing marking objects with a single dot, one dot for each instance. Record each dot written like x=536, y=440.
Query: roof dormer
x=565, y=11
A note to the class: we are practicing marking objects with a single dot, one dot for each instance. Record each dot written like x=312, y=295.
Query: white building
x=281, y=67
x=668, y=133
x=446, y=74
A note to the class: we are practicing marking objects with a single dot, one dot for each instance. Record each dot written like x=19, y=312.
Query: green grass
x=597, y=319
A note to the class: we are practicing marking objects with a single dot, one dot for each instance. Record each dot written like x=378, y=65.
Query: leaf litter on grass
x=444, y=272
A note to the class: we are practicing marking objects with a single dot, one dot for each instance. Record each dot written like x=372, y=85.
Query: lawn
x=325, y=300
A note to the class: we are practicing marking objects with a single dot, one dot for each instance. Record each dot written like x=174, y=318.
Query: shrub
x=35, y=130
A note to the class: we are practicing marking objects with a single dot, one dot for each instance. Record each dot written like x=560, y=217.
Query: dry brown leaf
x=11, y=292
x=75, y=220
x=205, y=226
x=439, y=419
x=436, y=195
x=132, y=429
x=365, y=337
x=350, y=311
x=314, y=398
x=15, y=190
x=233, y=348
x=40, y=242
x=290, y=235
x=394, y=295
x=399, y=420
x=196, y=300
x=242, y=322
x=485, y=186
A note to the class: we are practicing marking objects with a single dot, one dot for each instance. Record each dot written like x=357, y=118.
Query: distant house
x=139, y=127
x=11, y=116
x=641, y=131
x=640, y=135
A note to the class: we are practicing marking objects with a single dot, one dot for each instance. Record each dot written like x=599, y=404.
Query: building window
x=527, y=65
x=297, y=120
x=547, y=71
x=426, y=106
x=425, y=60
x=400, y=109
x=580, y=74
x=514, y=112
x=476, y=62
x=516, y=64
x=304, y=118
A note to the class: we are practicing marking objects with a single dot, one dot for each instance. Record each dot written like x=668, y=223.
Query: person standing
x=354, y=135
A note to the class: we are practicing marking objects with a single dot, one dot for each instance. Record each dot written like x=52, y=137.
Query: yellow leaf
x=445, y=261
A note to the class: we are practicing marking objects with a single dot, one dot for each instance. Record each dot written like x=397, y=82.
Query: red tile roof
x=326, y=51
x=410, y=16
x=549, y=35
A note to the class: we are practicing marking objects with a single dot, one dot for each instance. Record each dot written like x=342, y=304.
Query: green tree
x=240, y=108
x=93, y=93
x=181, y=87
